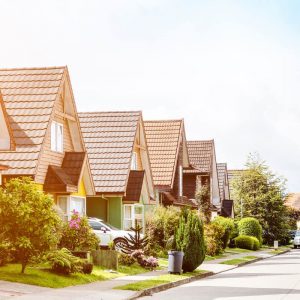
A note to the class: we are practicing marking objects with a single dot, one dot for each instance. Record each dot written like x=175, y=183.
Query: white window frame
x=132, y=219
x=68, y=212
x=56, y=145
x=133, y=165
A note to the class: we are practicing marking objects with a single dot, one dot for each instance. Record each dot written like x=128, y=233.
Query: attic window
x=134, y=161
x=56, y=137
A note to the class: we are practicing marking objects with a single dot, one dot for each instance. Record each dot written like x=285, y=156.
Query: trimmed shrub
x=63, y=262
x=228, y=225
x=247, y=242
x=190, y=239
x=213, y=234
x=250, y=226
x=87, y=268
x=125, y=259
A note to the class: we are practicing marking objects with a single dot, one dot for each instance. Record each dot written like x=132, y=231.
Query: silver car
x=297, y=239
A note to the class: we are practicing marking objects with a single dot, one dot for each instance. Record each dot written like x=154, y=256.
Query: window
x=69, y=203
x=56, y=137
x=133, y=161
x=77, y=204
x=133, y=212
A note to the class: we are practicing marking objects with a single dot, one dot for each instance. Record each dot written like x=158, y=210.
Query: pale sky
x=231, y=69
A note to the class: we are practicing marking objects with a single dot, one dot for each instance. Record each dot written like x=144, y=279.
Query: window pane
x=62, y=203
x=127, y=212
x=127, y=224
x=59, y=131
x=53, y=136
x=134, y=161
x=77, y=204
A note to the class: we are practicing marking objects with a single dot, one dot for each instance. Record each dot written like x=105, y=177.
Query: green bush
x=213, y=234
x=247, y=242
x=228, y=225
x=87, y=268
x=63, y=262
x=125, y=259
x=5, y=252
x=234, y=234
x=250, y=226
x=77, y=235
x=160, y=227
x=190, y=239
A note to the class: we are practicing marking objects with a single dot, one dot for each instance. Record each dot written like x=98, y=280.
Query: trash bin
x=175, y=262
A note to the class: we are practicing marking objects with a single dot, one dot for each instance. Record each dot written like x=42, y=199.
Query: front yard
x=43, y=276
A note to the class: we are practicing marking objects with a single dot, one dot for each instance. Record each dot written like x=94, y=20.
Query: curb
x=166, y=286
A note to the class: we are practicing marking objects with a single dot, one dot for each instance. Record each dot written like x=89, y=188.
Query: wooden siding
x=48, y=156
x=189, y=185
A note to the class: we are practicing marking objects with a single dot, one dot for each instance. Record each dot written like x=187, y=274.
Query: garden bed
x=42, y=276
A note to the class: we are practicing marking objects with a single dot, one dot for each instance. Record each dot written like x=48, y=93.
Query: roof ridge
x=33, y=68
x=192, y=141
x=112, y=111
x=171, y=120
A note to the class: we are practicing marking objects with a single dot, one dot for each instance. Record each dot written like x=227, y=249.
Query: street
x=273, y=278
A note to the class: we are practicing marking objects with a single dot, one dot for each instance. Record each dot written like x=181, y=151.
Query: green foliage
x=5, y=252
x=63, y=262
x=28, y=220
x=262, y=194
x=134, y=241
x=77, y=235
x=125, y=259
x=250, y=226
x=247, y=242
x=160, y=227
x=213, y=234
x=228, y=225
x=190, y=239
x=203, y=200
x=234, y=233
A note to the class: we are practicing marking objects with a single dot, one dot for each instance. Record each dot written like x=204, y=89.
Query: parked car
x=108, y=233
x=297, y=239
x=292, y=234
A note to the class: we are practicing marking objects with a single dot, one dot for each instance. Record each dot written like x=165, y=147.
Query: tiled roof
x=28, y=96
x=222, y=169
x=109, y=140
x=65, y=178
x=163, y=139
x=201, y=155
x=134, y=185
x=3, y=167
x=293, y=200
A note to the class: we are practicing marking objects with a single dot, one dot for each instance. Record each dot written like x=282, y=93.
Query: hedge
x=251, y=227
x=247, y=242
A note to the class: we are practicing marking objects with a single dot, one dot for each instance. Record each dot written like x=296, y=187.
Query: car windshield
x=297, y=233
x=109, y=226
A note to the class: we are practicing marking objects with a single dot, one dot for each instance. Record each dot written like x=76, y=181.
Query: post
x=241, y=208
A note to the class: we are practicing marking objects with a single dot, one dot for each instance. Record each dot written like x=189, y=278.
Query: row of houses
x=111, y=165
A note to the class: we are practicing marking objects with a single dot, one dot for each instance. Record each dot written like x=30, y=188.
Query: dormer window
x=56, y=137
x=134, y=161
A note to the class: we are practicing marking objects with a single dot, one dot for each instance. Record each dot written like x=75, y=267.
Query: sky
x=231, y=69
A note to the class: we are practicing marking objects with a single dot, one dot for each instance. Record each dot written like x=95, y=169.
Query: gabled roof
x=201, y=154
x=163, y=139
x=109, y=140
x=222, y=173
x=28, y=97
x=134, y=185
x=232, y=175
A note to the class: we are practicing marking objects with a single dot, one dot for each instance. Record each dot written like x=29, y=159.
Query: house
x=119, y=161
x=40, y=135
x=227, y=208
x=202, y=157
x=169, y=157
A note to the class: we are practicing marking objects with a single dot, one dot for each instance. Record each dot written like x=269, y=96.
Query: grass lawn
x=163, y=262
x=44, y=277
x=237, y=250
x=158, y=280
x=208, y=257
x=237, y=261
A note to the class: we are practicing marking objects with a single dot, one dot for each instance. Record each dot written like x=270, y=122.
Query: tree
x=259, y=193
x=28, y=220
x=190, y=239
x=203, y=200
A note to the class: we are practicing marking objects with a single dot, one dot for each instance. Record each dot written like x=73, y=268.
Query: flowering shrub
x=125, y=259
x=144, y=261
x=77, y=235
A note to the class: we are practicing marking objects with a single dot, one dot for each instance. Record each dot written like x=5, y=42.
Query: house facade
x=227, y=207
x=119, y=161
x=40, y=135
x=202, y=157
x=169, y=157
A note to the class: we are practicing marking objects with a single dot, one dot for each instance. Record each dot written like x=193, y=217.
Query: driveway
x=273, y=278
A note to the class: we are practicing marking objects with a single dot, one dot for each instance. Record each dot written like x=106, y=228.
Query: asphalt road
x=274, y=278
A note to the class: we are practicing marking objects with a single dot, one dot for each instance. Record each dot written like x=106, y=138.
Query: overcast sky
x=231, y=69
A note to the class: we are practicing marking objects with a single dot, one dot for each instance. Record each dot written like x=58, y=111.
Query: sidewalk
x=103, y=290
